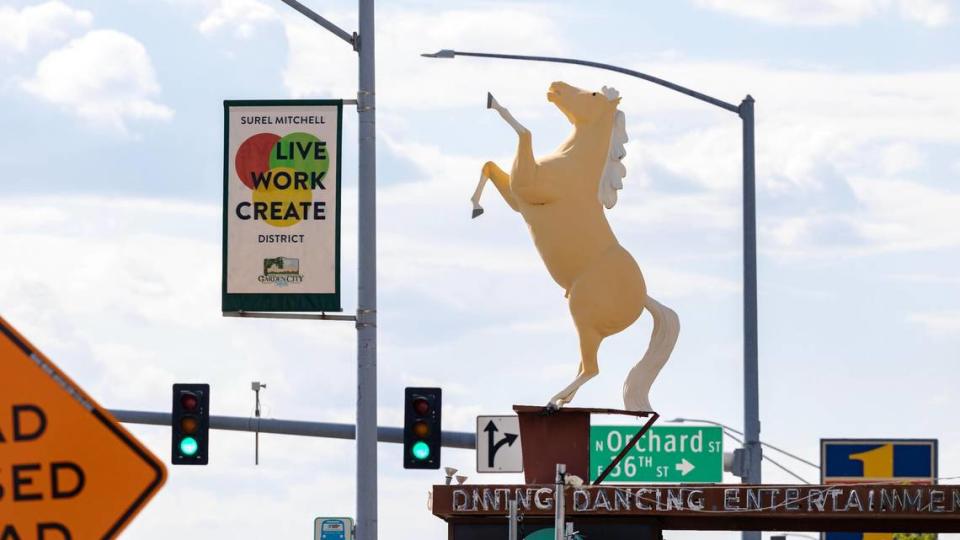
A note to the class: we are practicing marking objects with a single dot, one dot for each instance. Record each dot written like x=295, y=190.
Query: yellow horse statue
x=561, y=197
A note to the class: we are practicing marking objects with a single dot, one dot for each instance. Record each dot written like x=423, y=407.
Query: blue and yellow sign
x=853, y=461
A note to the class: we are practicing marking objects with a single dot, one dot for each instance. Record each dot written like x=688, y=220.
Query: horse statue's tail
x=666, y=329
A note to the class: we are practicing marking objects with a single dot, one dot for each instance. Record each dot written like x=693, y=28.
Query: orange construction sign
x=68, y=470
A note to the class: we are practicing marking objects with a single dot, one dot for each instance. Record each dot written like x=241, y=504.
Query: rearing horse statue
x=561, y=197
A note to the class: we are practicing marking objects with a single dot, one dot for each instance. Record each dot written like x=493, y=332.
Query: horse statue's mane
x=611, y=179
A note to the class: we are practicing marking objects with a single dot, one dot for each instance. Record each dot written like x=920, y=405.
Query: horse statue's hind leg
x=607, y=298
x=589, y=346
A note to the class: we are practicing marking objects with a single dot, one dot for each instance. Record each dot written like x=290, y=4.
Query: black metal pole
x=751, y=383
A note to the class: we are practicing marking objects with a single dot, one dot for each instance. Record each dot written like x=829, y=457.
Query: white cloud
x=32, y=26
x=908, y=216
x=674, y=283
x=240, y=16
x=900, y=157
x=938, y=322
x=815, y=12
x=813, y=235
x=894, y=215
x=927, y=278
x=105, y=77
x=833, y=12
x=926, y=12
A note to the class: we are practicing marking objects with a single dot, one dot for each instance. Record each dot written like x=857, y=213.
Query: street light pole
x=367, y=282
x=366, y=432
x=751, y=395
x=751, y=383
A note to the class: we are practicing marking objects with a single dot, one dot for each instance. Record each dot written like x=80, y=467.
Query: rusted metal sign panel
x=875, y=507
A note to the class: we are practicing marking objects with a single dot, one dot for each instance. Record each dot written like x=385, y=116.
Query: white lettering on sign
x=610, y=499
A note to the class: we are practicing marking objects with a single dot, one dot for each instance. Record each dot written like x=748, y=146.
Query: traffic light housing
x=421, y=428
x=190, y=424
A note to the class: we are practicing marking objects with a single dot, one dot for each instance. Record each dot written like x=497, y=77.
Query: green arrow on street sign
x=674, y=454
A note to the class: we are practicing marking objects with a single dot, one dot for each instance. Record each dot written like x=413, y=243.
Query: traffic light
x=421, y=428
x=190, y=423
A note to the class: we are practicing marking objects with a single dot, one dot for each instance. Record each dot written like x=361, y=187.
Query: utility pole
x=751, y=382
x=366, y=319
x=367, y=282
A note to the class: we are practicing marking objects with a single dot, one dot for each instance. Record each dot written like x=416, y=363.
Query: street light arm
x=336, y=30
x=727, y=430
x=768, y=445
x=447, y=53
x=705, y=421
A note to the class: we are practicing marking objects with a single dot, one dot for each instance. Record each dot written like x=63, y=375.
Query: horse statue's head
x=583, y=107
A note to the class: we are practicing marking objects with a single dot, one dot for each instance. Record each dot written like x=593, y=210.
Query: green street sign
x=674, y=454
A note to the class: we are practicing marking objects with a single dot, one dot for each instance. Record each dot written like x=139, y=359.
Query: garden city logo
x=281, y=271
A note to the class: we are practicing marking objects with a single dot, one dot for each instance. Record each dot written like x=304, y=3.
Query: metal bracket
x=740, y=463
x=323, y=316
x=363, y=315
x=363, y=101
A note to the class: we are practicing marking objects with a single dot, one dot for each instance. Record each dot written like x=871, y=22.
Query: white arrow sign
x=498, y=444
x=685, y=467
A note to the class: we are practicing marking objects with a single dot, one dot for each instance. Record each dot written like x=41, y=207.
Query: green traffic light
x=189, y=446
x=420, y=450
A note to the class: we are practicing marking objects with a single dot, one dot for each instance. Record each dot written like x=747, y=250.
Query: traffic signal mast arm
x=330, y=430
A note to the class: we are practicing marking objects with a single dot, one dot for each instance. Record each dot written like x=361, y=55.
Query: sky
x=110, y=225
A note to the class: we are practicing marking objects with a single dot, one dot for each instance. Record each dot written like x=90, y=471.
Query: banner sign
x=281, y=211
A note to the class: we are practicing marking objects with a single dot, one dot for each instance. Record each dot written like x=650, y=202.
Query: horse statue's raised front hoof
x=476, y=212
x=562, y=197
